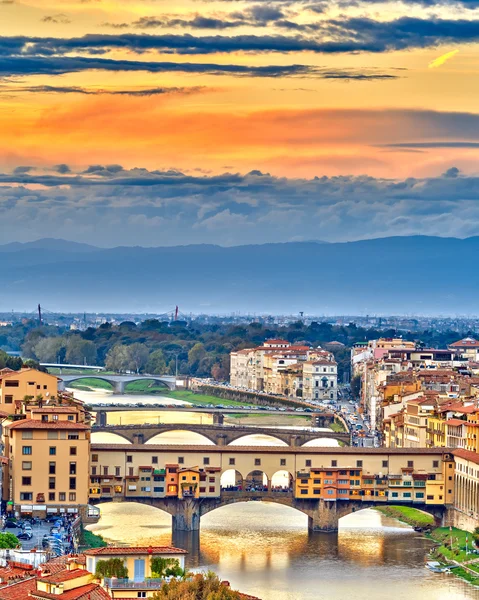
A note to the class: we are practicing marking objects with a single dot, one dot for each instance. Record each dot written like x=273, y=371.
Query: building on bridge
x=324, y=483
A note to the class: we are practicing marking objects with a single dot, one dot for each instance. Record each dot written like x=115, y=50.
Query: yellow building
x=48, y=457
x=16, y=386
x=436, y=432
x=138, y=562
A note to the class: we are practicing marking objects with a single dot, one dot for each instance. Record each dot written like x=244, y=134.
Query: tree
x=80, y=351
x=8, y=540
x=195, y=355
x=50, y=350
x=166, y=567
x=113, y=567
x=117, y=358
x=156, y=363
x=138, y=356
x=202, y=586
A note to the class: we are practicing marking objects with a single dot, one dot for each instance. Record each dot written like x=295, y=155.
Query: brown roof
x=55, y=409
x=181, y=448
x=65, y=575
x=465, y=343
x=91, y=591
x=467, y=455
x=119, y=551
x=36, y=424
x=455, y=422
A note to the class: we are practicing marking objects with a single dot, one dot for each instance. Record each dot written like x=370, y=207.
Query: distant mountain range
x=396, y=275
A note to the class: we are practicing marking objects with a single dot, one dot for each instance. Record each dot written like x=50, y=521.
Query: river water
x=265, y=549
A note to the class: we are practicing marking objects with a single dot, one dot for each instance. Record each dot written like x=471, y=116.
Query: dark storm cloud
x=333, y=36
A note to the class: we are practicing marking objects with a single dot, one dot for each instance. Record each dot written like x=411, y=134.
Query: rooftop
x=36, y=424
x=467, y=455
x=91, y=591
x=65, y=575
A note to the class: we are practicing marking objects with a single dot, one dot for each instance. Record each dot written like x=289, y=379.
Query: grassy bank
x=455, y=554
x=89, y=383
x=411, y=516
x=189, y=396
x=337, y=427
x=88, y=539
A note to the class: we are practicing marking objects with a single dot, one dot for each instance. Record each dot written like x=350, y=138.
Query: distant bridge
x=221, y=435
x=64, y=366
x=119, y=382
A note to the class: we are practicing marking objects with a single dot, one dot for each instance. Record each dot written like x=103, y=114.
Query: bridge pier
x=187, y=515
x=324, y=518
x=218, y=419
x=119, y=387
x=101, y=418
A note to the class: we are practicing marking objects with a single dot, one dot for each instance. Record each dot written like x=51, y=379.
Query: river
x=265, y=549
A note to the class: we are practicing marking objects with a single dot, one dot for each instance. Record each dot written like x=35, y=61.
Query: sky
x=146, y=122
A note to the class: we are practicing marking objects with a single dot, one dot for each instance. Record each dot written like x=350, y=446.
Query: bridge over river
x=119, y=382
x=221, y=435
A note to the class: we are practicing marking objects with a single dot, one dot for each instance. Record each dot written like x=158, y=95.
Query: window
x=72, y=497
x=11, y=383
x=26, y=481
x=158, y=489
x=359, y=463
x=206, y=460
x=130, y=471
x=329, y=473
x=73, y=450
x=93, y=470
x=282, y=462
x=8, y=399
x=54, y=417
x=26, y=496
x=141, y=594
x=317, y=492
x=94, y=458
x=308, y=463
x=328, y=481
x=181, y=460
x=304, y=492
x=105, y=471
x=52, y=435
x=51, y=496
x=419, y=494
x=117, y=471
x=410, y=464
x=61, y=497
x=334, y=463
x=257, y=462
x=330, y=492
x=435, y=464
x=154, y=460
x=211, y=479
x=44, y=418
x=129, y=458
x=73, y=468
x=52, y=450
x=27, y=465
x=202, y=490
x=26, y=450
x=394, y=494
x=73, y=483
x=211, y=488
x=232, y=461
x=27, y=435
x=317, y=481
x=71, y=417
x=385, y=464
x=406, y=494
x=430, y=497
x=73, y=436
x=52, y=468
x=51, y=483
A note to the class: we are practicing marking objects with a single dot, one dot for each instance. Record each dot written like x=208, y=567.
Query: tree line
x=189, y=348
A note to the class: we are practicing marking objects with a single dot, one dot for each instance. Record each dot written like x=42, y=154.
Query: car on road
x=26, y=534
x=10, y=524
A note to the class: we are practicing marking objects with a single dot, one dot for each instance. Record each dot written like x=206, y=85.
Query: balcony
x=130, y=584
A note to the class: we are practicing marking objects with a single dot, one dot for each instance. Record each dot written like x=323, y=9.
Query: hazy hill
x=424, y=275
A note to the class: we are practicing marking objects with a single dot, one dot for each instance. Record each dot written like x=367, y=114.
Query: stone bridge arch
x=234, y=436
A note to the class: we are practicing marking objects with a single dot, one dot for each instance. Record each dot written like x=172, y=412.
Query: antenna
x=39, y=315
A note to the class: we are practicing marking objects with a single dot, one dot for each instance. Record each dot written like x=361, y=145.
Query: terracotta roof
x=36, y=424
x=91, y=591
x=19, y=590
x=118, y=551
x=312, y=450
x=455, y=422
x=65, y=575
x=465, y=343
x=21, y=371
x=60, y=562
x=15, y=570
x=467, y=455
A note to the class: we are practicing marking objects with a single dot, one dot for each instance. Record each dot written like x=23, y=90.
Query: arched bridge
x=221, y=435
x=322, y=515
x=119, y=382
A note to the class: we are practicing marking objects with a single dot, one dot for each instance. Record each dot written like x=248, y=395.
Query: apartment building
x=279, y=367
x=16, y=386
x=48, y=454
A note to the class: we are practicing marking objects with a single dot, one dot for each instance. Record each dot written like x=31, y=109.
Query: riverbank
x=88, y=539
x=454, y=548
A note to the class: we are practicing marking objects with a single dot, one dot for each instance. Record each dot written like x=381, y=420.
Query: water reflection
x=265, y=550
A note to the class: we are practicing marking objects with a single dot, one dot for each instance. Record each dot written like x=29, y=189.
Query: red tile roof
x=91, y=591
x=36, y=424
x=467, y=455
x=118, y=551
x=55, y=409
x=465, y=343
x=456, y=422
x=65, y=575
x=19, y=590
